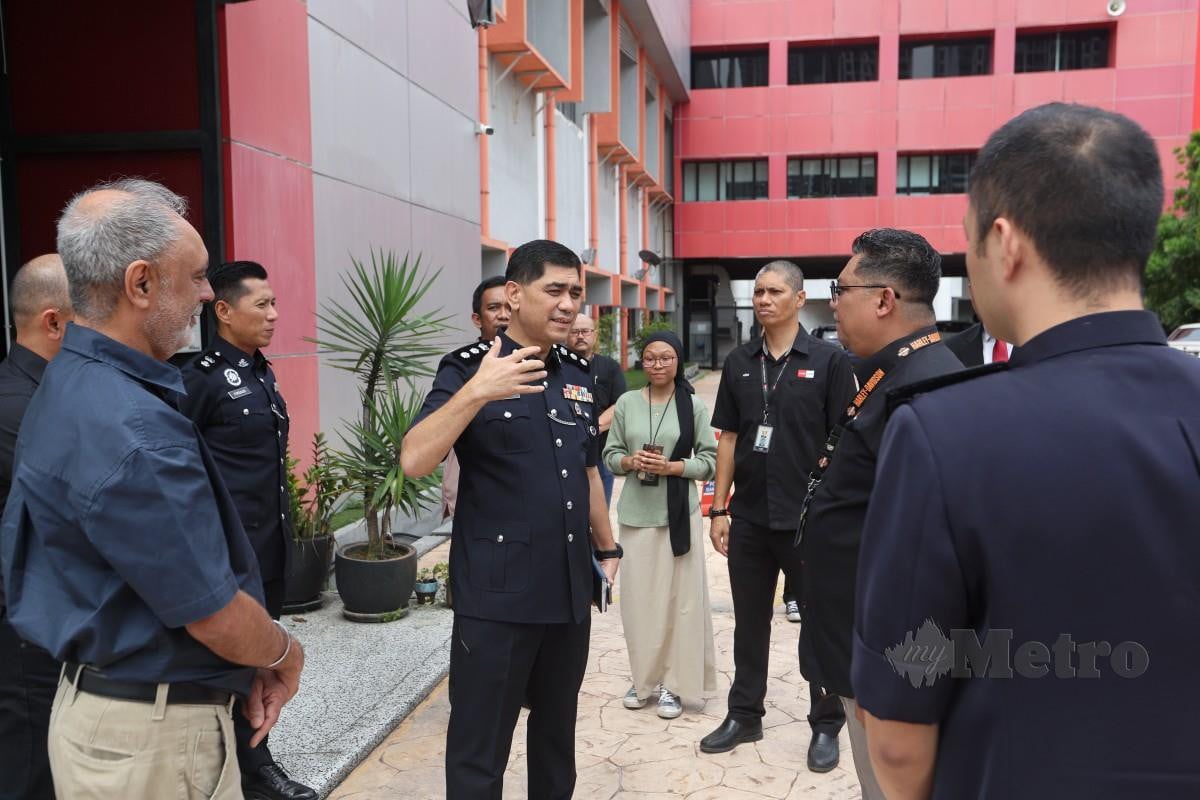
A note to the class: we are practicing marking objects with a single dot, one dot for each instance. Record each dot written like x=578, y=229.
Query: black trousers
x=495, y=667
x=756, y=556
x=28, y=680
x=250, y=759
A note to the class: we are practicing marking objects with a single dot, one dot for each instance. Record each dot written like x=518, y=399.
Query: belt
x=192, y=694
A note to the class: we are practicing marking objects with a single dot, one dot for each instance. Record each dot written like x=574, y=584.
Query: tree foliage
x=1173, y=272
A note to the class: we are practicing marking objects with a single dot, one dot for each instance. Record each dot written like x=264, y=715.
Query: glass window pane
x=848, y=168
x=868, y=167
x=793, y=167
x=707, y=177
x=918, y=173
x=812, y=166
x=922, y=61
x=689, y=182
x=902, y=173
x=743, y=172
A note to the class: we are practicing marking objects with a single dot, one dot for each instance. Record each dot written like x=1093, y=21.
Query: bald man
x=41, y=307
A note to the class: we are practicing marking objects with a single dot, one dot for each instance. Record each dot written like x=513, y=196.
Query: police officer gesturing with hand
x=519, y=414
x=234, y=399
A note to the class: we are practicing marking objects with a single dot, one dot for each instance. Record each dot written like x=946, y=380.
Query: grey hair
x=97, y=243
x=791, y=274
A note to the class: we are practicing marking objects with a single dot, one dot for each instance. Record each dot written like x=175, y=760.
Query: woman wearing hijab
x=662, y=442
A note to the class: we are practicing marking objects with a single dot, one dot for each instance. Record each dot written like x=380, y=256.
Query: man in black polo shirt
x=780, y=395
x=883, y=302
x=28, y=674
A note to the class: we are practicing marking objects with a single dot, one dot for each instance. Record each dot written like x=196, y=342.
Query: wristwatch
x=604, y=555
x=718, y=512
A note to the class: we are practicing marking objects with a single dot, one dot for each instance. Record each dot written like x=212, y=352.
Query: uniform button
x=558, y=442
x=281, y=461
x=570, y=537
x=282, y=489
x=281, y=516
x=500, y=537
x=570, y=505
x=546, y=384
x=554, y=412
x=508, y=415
x=564, y=473
x=246, y=412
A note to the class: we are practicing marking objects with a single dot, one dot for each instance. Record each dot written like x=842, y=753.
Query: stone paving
x=635, y=755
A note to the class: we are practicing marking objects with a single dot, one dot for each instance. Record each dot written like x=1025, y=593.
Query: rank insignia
x=243, y=363
x=579, y=393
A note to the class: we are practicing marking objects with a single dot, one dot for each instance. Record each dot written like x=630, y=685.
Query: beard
x=168, y=326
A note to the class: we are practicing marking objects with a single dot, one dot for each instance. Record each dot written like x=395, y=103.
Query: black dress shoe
x=823, y=752
x=270, y=782
x=730, y=735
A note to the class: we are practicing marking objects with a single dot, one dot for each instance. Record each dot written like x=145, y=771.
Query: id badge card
x=762, y=439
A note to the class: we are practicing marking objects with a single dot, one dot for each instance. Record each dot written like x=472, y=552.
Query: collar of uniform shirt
x=232, y=353
x=508, y=345
x=889, y=354
x=1105, y=329
x=799, y=345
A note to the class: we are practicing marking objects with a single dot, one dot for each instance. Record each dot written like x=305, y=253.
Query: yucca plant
x=381, y=339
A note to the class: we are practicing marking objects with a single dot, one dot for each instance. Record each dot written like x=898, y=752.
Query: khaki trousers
x=107, y=749
x=862, y=756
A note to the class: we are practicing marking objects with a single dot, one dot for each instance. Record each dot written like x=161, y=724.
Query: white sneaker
x=792, y=609
x=632, y=701
x=669, y=706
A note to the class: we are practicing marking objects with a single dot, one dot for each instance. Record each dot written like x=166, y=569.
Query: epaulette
x=565, y=355
x=472, y=352
x=207, y=361
x=906, y=393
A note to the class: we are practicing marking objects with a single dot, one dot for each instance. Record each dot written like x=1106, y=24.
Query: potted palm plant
x=381, y=338
x=312, y=498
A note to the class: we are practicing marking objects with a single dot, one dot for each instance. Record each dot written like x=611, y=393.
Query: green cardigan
x=644, y=506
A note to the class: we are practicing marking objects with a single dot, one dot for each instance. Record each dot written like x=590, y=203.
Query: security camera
x=1115, y=8
x=483, y=129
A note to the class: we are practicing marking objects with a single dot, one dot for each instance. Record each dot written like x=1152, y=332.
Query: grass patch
x=634, y=379
x=351, y=512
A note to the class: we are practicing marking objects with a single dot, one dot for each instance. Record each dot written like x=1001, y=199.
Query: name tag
x=236, y=393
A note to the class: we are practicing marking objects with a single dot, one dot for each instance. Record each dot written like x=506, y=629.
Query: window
x=945, y=58
x=724, y=180
x=843, y=176
x=833, y=64
x=729, y=70
x=933, y=173
x=1062, y=50
x=570, y=111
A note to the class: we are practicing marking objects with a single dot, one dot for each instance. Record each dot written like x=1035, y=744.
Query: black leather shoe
x=730, y=735
x=823, y=752
x=272, y=783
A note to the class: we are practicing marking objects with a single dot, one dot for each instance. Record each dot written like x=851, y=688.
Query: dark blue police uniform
x=234, y=399
x=521, y=574
x=1053, y=505
x=118, y=530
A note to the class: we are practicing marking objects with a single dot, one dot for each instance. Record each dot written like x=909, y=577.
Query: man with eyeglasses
x=610, y=385
x=779, y=397
x=883, y=305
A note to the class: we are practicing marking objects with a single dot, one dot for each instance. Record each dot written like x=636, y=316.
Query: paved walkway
x=634, y=755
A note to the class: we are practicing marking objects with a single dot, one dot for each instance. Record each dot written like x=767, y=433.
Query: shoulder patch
x=567, y=356
x=471, y=352
x=206, y=361
x=905, y=394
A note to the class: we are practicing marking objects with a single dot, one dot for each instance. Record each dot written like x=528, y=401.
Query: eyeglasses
x=836, y=289
x=665, y=361
x=582, y=331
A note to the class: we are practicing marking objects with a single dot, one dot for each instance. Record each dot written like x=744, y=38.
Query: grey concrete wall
x=633, y=230
x=606, y=218
x=547, y=24
x=673, y=19
x=569, y=181
x=394, y=93
x=512, y=159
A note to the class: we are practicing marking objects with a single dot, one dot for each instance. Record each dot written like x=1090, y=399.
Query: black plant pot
x=310, y=570
x=375, y=590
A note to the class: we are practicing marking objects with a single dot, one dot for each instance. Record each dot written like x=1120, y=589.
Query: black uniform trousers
x=250, y=759
x=756, y=555
x=28, y=680
x=495, y=668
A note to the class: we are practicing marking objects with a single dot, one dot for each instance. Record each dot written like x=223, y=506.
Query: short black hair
x=1083, y=183
x=227, y=280
x=484, y=285
x=902, y=259
x=528, y=262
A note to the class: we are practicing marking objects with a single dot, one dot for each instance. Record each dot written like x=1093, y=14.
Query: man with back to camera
x=780, y=395
x=519, y=414
x=234, y=399
x=161, y=625
x=41, y=308
x=490, y=314
x=1056, y=540
x=883, y=304
x=610, y=385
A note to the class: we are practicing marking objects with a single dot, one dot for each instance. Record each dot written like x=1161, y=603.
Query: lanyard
x=650, y=409
x=859, y=399
x=768, y=393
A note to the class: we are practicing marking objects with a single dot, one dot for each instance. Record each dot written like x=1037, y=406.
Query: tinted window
x=833, y=64
x=844, y=176
x=945, y=58
x=933, y=173
x=1062, y=50
x=729, y=70
x=724, y=180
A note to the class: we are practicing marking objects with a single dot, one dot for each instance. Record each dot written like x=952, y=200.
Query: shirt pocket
x=250, y=426
x=501, y=557
x=508, y=428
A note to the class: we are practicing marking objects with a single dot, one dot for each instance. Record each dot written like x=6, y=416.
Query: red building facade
x=903, y=93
